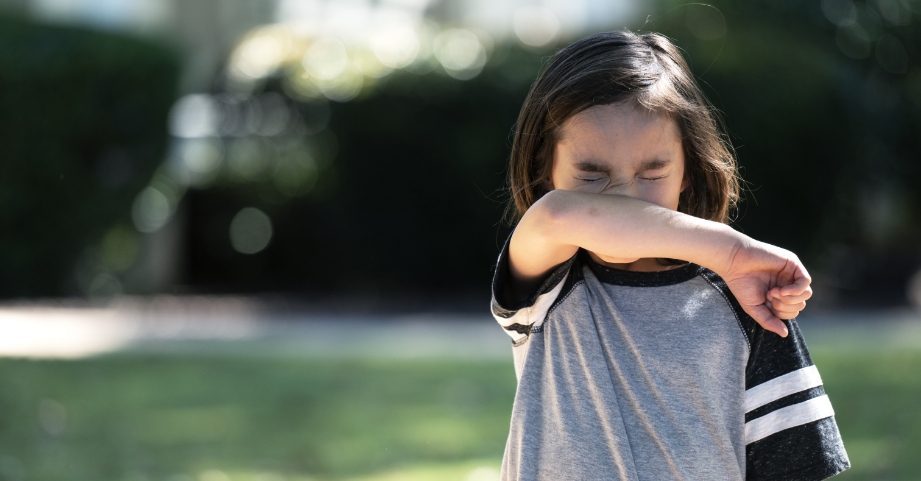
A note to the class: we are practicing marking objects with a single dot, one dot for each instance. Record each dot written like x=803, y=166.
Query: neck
x=646, y=264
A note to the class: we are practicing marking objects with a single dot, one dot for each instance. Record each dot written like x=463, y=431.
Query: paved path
x=250, y=327
x=242, y=326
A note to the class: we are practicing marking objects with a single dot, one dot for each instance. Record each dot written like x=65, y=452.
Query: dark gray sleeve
x=790, y=429
x=793, y=434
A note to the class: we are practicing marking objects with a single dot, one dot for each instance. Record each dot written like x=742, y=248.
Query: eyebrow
x=654, y=164
x=594, y=166
x=591, y=166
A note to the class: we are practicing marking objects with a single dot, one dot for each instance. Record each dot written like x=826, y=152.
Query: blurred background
x=253, y=240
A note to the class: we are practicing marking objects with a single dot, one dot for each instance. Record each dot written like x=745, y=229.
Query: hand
x=770, y=283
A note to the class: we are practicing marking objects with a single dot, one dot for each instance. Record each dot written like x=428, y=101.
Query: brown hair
x=605, y=68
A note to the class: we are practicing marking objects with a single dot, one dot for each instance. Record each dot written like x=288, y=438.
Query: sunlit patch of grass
x=877, y=401
x=471, y=470
x=487, y=470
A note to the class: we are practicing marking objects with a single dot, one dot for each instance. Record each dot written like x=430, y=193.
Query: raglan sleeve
x=520, y=318
x=790, y=429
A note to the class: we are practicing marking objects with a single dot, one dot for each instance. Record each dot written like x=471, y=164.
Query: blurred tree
x=83, y=126
x=825, y=124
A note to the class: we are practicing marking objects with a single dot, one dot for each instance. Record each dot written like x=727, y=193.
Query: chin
x=617, y=260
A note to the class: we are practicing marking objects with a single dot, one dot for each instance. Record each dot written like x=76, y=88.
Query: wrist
x=722, y=245
x=726, y=255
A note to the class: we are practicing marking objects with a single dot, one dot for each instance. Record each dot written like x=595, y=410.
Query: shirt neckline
x=620, y=277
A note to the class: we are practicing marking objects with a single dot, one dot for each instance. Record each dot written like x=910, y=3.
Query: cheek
x=553, y=180
x=558, y=179
x=665, y=193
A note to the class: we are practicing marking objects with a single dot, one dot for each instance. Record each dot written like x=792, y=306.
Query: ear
x=684, y=183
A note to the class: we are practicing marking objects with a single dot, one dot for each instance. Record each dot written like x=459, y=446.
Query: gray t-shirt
x=658, y=376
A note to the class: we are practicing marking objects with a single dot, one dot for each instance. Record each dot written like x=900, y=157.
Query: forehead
x=620, y=133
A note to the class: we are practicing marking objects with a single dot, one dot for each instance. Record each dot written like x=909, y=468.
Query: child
x=632, y=365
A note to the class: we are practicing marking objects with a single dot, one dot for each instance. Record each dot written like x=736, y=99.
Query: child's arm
x=770, y=283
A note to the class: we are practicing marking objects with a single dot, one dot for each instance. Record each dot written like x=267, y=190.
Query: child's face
x=620, y=149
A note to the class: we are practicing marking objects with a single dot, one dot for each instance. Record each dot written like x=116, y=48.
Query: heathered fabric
x=643, y=376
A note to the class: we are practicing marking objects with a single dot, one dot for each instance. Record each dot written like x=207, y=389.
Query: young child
x=631, y=364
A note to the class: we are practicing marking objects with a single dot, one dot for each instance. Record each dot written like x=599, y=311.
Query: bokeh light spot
x=275, y=114
x=395, y=45
x=213, y=475
x=460, y=52
x=326, y=59
x=104, y=285
x=896, y=12
x=369, y=65
x=194, y=115
x=247, y=158
x=119, y=248
x=268, y=476
x=295, y=174
x=914, y=289
x=535, y=26
x=201, y=155
x=483, y=473
x=344, y=88
x=261, y=53
x=840, y=12
x=300, y=86
x=12, y=468
x=250, y=231
x=151, y=210
x=53, y=416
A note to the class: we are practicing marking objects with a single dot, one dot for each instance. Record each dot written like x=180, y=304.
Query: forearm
x=618, y=227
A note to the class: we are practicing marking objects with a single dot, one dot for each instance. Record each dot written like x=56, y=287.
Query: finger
x=763, y=316
x=784, y=307
x=776, y=296
x=796, y=288
x=783, y=314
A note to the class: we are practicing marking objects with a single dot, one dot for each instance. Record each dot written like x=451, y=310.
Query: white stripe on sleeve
x=790, y=383
x=788, y=417
x=533, y=316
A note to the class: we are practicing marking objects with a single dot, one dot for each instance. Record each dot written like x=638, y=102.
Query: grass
x=183, y=418
x=877, y=401
x=152, y=418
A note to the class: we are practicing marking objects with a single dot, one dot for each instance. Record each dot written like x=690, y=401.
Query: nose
x=627, y=189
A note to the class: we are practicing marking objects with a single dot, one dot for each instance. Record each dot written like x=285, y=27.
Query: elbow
x=549, y=216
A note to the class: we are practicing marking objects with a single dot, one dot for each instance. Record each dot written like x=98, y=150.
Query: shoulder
x=519, y=319
x=746, y=323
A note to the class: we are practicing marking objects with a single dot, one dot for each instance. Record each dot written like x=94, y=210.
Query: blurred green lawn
x=185, y=418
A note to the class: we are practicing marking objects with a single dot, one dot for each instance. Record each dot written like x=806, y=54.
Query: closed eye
x=655, y=178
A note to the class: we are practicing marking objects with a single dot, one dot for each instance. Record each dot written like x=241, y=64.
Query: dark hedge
x=83, y=126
